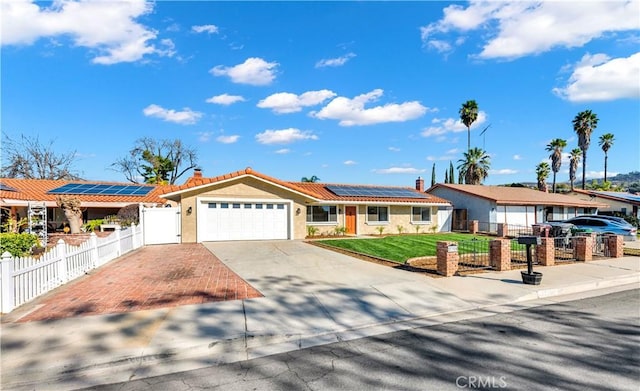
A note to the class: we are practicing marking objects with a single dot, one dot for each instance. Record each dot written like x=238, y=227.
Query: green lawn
x=402, y=247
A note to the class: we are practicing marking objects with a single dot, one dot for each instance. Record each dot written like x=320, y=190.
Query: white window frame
x=366, y=215
x=323, y=222
x=425, y=222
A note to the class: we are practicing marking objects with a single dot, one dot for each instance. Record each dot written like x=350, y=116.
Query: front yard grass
x=400, y=248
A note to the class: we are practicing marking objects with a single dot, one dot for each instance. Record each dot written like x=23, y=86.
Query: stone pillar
x=447, y=258
x=546, y=252
x=473, y=227
x=500, y=254
x=536, y=229
x=614, y=245
x=583, y=248
x=502, y=230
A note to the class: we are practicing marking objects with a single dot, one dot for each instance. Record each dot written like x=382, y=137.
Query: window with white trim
x=378, y=214
x=421, y=214
x=322, y=214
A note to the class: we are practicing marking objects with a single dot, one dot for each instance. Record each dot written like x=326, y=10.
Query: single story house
x=619, y=202
x=98, y=199
x=248, y=205
x=518, y=206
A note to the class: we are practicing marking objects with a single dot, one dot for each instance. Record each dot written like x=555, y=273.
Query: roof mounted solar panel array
x=96, y=189
x=4, y=187
x=371, y=191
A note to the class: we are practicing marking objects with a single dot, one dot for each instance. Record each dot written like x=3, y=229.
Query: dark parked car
x=604, y=224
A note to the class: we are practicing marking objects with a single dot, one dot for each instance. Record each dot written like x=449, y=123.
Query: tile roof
x=36, y=190
x=317, y=191
x=505, y=195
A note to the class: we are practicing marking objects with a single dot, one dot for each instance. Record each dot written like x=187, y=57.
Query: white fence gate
x=161, y=225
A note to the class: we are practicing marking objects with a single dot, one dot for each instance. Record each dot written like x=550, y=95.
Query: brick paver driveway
x=151, y=277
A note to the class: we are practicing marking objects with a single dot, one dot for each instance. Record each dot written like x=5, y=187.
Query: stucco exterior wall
x=477, y=208
x=244, y=188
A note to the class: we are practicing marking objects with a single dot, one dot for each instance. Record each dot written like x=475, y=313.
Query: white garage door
x=230, y=220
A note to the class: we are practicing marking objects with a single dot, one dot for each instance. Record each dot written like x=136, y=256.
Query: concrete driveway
x=314, y=288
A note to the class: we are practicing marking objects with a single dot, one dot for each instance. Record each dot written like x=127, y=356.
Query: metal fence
x=600, y=248
x=487, y=228
x=513, y=231
x=519, y=254
x=473, y=255
x=563, y=249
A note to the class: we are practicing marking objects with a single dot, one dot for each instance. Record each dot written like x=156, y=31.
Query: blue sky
x=352, y=92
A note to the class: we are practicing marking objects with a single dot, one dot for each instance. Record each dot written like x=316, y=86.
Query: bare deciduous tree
x=28, y=158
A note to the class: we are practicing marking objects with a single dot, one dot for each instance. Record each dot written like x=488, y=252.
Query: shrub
x=18, y=245
x=380, y=229
x=311, y=230
x=91, y=225
x=340, y=231
x=400, y=229
x=129, y=215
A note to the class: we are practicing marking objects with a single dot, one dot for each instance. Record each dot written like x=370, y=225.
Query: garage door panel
x=243, y=221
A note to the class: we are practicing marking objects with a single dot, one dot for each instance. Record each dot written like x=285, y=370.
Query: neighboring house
x=620, y=202
x=510, y=205
x=248, y=205
x=98, y=199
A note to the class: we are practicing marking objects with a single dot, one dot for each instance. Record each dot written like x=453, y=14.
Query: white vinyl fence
x=24, y=279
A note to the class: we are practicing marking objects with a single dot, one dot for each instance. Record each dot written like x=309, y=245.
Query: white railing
x=22, y=279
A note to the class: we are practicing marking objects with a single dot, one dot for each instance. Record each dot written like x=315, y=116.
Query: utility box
x=529, y=240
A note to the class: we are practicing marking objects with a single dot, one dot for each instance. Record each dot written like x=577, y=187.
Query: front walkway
x=152, y=277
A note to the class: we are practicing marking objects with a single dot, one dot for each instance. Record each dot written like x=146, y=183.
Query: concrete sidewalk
x=325, y=297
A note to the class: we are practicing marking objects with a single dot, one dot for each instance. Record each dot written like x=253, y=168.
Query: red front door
x=350, y=219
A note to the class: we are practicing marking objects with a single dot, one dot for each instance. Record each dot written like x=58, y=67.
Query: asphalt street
x=587, y=344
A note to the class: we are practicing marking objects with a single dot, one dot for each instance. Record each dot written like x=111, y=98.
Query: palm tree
x=542, y=172
x=584, y=124
x=474, y=167
x=605, y=142
x=312, y=179
x=555, y=147
x=468, y=115
x=574, y=159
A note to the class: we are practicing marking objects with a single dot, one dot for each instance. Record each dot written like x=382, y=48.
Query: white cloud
x=448, y=155
x=394, y=149
x=283, y=151
x=442, y=126
x=204, y=136
x=228, y=139
x=184, y=117
x=351, y=112
x=225, y=99
x=600, y=78
x=504, y=171
x=335, y=62
x=517, y=157
x=398, y=170
x=254, y=71
x=108, y=28
x=284, y=136
x=517, y=28
x=349, y=163
x=205, y=28
x=286, y=102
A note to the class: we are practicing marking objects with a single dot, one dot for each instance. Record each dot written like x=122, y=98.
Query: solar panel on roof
x=624, y=196
x=96, y=189
x=4, y=187
x=366, y=191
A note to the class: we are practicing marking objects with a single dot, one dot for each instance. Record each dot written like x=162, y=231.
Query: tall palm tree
x=574, y=159
x=555, y=147
x=475, y=166
x=469, y=115
x=542, y=172
x=584, y=124
x=605, y=142
x=312, y=179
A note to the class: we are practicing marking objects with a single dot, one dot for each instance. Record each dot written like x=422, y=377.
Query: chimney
x=197, y=173
x=420, y=184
